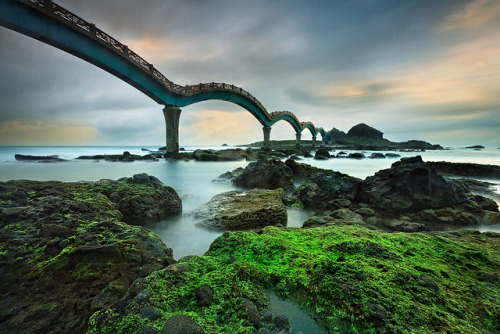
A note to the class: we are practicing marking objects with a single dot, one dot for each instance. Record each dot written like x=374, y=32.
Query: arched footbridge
x=50, y=23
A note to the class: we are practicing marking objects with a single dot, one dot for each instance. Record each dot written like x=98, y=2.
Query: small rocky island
x=78, y=257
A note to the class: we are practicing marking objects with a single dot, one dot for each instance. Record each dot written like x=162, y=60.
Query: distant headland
x=363, y=137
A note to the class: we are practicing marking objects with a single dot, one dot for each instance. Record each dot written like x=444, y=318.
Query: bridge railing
x=77, y=22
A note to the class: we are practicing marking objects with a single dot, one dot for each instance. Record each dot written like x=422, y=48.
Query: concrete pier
x=314, y=142
x=172, y=115
x=267, y=137
x=298, y=135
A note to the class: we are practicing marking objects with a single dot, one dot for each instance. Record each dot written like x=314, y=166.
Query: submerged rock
x=243, y=209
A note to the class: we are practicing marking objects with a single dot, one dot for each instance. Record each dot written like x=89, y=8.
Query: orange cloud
x=476, y=14
x=155, y=49
x=220, y=126
x=468, y=72
x=43, y=133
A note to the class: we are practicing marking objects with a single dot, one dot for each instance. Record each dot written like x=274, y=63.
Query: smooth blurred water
x=192, y=180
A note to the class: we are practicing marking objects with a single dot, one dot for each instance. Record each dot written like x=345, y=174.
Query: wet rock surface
x=64, y=253
x=410, y=185
x=243, y=209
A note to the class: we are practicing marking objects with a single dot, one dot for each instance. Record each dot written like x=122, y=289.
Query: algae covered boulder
x=141, y=199
x=64, y=253
x=243, y=209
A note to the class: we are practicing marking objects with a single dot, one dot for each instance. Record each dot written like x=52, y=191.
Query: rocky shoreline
x=77, y=257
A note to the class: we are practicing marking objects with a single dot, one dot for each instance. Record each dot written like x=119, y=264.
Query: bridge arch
x=54, y=25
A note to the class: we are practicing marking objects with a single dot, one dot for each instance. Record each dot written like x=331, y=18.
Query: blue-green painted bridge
x=50, y=23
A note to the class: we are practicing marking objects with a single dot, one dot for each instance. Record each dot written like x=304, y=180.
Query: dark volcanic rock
x=410, y=185
x=322, y=189
x=181, y=324
x=466, y=169
x=65, y=254
x=322, y=154
x=267, y=174
x=153, y=202
x=364, y=131
x=22, y=157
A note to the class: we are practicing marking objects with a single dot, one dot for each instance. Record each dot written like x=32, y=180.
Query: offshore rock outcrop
x=243, y=210
x=65, y=253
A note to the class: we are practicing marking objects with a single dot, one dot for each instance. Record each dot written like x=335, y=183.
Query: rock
x=346, y=214
x=54, y=231
x=428, y=282
x=377, y=155
x=251, y=313
x=486, y=203
x=149, y=313
x=403, y=225
x=243, y=209
x=149, y=204
x=313, y=222
x=281, y=324
x=98, y=253
x=364, y=131
x=204, y=295
x=378, y=311
x=267, y=174
x=22, y=157
x=14, y=211
x=477, y=147
x=356, y=155
x=322, y=189
x=181, y=324
x=322, y=154
x=466, y=169
x=410, y=185
x=392, y=155
x=66, y=254
x=109, y=295
x=365, y=212
x=220, y=155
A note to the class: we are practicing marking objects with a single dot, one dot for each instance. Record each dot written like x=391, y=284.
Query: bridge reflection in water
x=50, y=23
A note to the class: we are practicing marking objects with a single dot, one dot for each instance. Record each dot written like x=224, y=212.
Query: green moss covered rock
x=355, y=280
x=65, y=253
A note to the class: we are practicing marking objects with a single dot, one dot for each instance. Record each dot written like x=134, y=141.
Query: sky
x=420, y=69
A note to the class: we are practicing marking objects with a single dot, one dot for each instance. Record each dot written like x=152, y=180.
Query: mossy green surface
x=64, y=243
x=354, y=279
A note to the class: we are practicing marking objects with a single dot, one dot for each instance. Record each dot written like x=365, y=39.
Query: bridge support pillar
x=314, y=141
x=298, y=135
x=172, y=115
x=267, y=137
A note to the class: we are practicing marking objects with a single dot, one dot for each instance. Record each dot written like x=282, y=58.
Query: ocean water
x=194, y=180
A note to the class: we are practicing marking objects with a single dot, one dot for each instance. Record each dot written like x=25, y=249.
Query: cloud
x=45, y=133
x=476, y=14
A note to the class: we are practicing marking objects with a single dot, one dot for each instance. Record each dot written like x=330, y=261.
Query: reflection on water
x=300, y=321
